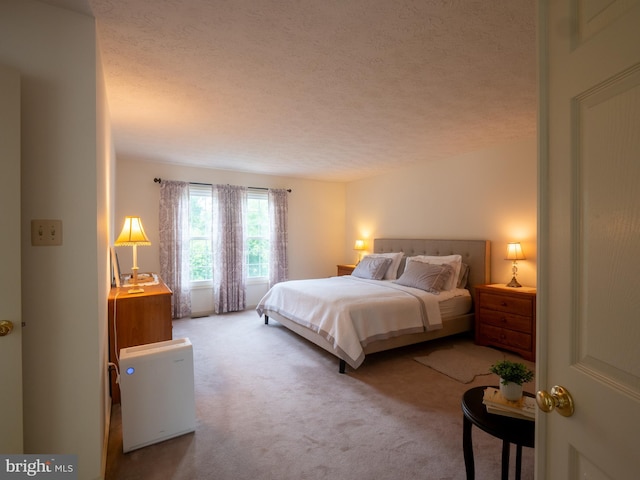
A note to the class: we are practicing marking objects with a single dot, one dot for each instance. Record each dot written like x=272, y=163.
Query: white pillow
x=454, y=260
x=392, y=270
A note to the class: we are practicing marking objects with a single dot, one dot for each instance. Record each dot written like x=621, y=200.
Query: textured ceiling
x=325, y=89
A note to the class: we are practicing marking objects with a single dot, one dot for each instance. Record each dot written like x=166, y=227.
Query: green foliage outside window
x=200, y=256
x=201, y=266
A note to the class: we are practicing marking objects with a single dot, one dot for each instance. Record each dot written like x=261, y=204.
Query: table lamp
x=133, y=235
x=514, y=252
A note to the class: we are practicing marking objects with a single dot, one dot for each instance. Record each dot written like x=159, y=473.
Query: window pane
x=258, y=217
x=200, y=252
x=257, y=255
x=200, y=233
x=200, y=215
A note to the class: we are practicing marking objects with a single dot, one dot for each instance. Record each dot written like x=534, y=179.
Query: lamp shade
x=132, y=233
x=359, y=245
x=514, y=251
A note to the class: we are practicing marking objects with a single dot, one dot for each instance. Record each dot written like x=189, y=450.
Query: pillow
x=463, y=278
x=425, y=276
x=392, y=270
x=371, y=268
x=454, y=260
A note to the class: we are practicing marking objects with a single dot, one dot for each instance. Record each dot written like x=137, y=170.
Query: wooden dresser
x=140, y=318
x=506, y=318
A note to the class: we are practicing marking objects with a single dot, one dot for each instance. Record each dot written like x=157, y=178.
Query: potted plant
x=512, y=376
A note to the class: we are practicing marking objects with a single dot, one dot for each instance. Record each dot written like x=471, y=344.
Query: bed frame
x=475, y=253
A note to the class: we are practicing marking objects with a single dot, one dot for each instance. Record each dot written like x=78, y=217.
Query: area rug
x=463, y=360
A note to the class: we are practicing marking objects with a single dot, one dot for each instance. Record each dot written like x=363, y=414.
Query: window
x=257, y=247
x=201, y=234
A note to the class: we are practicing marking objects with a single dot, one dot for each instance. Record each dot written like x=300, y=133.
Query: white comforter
x=350, y=312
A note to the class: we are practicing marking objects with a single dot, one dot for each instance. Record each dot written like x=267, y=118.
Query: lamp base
x=514, y=283
x=135, y=288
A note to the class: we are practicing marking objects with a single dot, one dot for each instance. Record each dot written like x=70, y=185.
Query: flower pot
x=511, y=391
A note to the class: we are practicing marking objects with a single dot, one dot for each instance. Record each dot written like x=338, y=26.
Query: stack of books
x=144, y=279
x=524, y=409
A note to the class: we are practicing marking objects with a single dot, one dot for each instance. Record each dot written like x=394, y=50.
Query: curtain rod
x=159, y=180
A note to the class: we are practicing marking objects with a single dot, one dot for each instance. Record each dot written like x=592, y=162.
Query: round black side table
x=508, y=429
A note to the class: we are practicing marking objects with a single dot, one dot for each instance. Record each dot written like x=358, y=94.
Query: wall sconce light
x=133, y=235
x=514, y=252
x=359, y=247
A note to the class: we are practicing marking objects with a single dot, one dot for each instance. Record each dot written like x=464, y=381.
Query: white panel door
x=589, y=237
x=11, y=439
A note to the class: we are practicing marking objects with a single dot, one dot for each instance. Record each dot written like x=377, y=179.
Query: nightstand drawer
x=506, y=303
x=507, y=320
x=507, y=338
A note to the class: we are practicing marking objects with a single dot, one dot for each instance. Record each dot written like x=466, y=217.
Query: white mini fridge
x=157, y=392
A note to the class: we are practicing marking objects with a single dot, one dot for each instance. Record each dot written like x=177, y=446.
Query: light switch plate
x=46, y=232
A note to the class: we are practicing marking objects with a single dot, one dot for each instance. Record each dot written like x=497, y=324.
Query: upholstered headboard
x=475, y=253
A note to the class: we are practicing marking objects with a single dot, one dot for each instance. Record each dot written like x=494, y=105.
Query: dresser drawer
x=507, y=338
x=507, y=320
x=506, y=303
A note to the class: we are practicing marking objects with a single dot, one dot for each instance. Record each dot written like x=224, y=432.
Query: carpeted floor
x=270, y=405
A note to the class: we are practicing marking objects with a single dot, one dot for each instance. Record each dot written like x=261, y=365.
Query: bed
x=352, y=317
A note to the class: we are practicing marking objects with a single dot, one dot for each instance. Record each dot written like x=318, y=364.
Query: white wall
x=316, y=217
x=489, y=194
x=105, y=183
x=64, y=174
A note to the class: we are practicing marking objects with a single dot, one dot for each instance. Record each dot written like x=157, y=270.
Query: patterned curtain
x=229, y=271
x=278, y=212
x=174, y=244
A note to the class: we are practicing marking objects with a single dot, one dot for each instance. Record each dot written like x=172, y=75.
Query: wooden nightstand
x=506, y=318
x=345, y=269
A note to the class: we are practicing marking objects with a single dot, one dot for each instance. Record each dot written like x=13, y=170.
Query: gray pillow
x=463, y=277
x=426, y=276
x=372, y=268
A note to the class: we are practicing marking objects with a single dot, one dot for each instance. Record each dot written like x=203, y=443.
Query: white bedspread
x=350, y=312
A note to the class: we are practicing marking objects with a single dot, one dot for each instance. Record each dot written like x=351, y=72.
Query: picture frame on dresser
x=115, y=268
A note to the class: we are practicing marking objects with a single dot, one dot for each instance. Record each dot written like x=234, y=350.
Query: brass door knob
x=558, y=399
x=6, y=327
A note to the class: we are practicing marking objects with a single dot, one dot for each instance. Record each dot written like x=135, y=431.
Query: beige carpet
x=464, y=361
x=269, y=405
